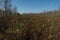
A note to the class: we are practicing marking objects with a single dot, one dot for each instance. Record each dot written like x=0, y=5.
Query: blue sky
x=34, y=6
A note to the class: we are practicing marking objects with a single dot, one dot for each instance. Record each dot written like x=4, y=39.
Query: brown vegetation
x=39, y=26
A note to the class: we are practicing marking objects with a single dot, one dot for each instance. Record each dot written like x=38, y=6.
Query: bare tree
x=7, y=6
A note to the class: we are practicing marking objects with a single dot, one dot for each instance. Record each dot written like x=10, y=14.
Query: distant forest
x=28, y=26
